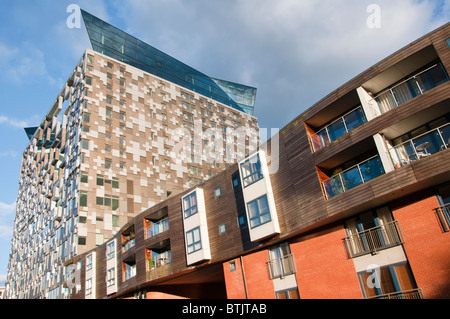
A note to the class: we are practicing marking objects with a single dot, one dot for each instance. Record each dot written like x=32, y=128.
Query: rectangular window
x=88, y=262
x=86, y=117
x=288, y=294
x=111, y=276
x=83, y=177
x=193, y=240
x=83, y=199
x=258, y=211
x=99, y=180
x=251, y=170
x=222, y=229
x=108, y=163
x=115, y=183
x=88, y=287
x=217, y=192
x=190, y=205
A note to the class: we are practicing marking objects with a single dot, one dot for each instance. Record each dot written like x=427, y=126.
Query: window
x=288, y=294
x=83, y=199
x=235, y=182
x=115, y=183
x=111, y=276
x=88, y=287
x=81, y=240
x=115, y=218
x=109, y=99
x=99, y=180
x=82, y=219
x=232, y=266
x=83, y=177
x=86, y=117
x=241, y=220
x=190, y=205
x=108, y=163
x=389, y=279
x=193, y=240
x=90, y=59
x=88, y=80
x=222, y=229
x=217, y=192
x=251, y=170
x=88, y=262
x=258, y=211
x=448, y=42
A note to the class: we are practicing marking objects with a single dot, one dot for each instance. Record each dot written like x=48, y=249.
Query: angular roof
x=117, y=44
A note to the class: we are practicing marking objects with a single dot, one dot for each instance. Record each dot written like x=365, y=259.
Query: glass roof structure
x=117, y=44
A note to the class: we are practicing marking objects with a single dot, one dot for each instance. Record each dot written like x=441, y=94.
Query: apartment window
x=222, y=229
x=108, y=112
x=110, y=250
x=108, y=148
x=392, y=281
x=111, y=277
x=86, y=117
x=88, y=262
x=85, y=144
x=235, y=182
x=88, y=80
x=108, y=163
x=82, y=219
x=83, y=199
x=115, y=218
x=85, y=129
x=109, y=99
x=251, y=170
x=288, y=294
x=448, y=42
x=90, y=59
x=281, y=262
x=232, y=266
x=122, y=116
x=190, y=205
x=241, y=220
x=109, y=65
x=217, y=192
x=108, y=135
x=258, y=211
x=82, y=241
x=193, y=240
x=115, y=183
x=100, y=180
x=88, y=287
x=83, y=177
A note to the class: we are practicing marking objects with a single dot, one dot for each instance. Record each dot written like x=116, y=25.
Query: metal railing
x=407, y=294
x=421, y=146
x=340, y=126
x=281, y=267
x=374, y=239
x=353, y=176
x=408, y=89
x=157, y=228
x=443, y=213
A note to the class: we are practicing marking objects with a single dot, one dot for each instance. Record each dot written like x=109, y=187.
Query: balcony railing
x=130, y=272
x=281, y=267
x=443, y=213
x=408, y=89
x=159, y=227
x=160, y=260
x=354, y=176
x=337, y=128
x=374, y=239
x=408, y=294
x=421, y=146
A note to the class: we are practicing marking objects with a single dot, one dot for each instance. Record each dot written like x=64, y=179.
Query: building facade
x=350, y=200
x=117, y=141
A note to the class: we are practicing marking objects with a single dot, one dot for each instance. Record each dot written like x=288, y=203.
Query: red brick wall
x=234, y=280
x=426, y=246
x=323, y=269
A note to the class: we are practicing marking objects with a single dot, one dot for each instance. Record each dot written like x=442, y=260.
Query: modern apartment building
x=350, y=200
x=131, y=128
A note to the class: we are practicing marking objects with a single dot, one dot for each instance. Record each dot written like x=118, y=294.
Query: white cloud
x=32, y=121
x=7, y=214
x=294, y=52
x=7, y=209
x=8, y=154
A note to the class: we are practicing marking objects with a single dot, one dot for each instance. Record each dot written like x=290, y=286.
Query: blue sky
x=294, y=51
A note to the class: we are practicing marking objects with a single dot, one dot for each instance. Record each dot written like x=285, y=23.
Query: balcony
x=374, y=239
x=158, y=227
x=340, y=126
x=408, y=89
x=421, y=146
x=281, y=267
x=353, y=176
x=159, y=259
x=443, y=214
x=408, y=294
